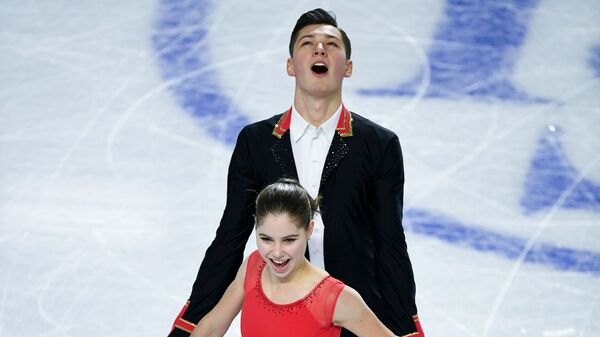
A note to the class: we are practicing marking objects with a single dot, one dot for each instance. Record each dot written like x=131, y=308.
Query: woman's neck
x=294, y=276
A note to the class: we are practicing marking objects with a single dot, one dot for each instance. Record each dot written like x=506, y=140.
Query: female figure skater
x=279, y=292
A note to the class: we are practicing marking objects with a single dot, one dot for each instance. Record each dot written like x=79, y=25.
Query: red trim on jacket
x=181, y=323
x=344, y=125
x=283, y=124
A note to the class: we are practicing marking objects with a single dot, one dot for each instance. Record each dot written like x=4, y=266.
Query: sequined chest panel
x=285, y=309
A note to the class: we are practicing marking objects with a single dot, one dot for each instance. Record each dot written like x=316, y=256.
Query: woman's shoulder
x=254, y=256
x=251, y=267
x=250, y=261
x=326, y=284
x=333, y=286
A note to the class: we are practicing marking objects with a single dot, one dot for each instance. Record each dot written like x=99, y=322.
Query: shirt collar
x=299, y=126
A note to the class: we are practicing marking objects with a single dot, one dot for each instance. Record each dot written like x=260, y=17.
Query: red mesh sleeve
x=323, y=303
x=254, y=262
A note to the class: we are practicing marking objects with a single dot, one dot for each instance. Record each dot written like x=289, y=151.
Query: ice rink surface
x=117, y=121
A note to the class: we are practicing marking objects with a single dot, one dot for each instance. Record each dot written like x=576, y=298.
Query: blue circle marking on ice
x=180, y=43
x=553, y=180
x=473, y=53
x=595, y=60
x=511, y=247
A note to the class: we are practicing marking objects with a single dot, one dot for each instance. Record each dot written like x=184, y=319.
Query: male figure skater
x=353, y=164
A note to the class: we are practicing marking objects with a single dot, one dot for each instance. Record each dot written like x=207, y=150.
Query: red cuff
x=181, y=323
x=420, y=332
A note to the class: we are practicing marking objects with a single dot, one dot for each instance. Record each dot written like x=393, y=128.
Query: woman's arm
x=218, y=320
x=352, y=313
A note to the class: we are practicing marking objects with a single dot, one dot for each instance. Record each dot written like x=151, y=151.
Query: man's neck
x=317, y=111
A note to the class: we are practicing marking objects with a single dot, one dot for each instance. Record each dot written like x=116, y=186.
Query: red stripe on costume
x=185, y=325
x=283, y=124
x=419, y=332
x=181, y=323
x=344, y=126
x=418, y=325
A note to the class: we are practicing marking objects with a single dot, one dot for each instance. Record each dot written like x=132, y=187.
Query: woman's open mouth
x=279, y=266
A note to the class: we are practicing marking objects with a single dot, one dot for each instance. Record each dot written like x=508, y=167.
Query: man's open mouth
x=319, y=68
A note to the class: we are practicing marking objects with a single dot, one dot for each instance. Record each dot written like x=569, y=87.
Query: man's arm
x=395, y=279
x=224, y=256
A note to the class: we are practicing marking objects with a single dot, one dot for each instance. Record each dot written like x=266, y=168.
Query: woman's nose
x=278, y=251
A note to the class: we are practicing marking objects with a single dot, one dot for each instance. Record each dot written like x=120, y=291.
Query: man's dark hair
x=318, y=16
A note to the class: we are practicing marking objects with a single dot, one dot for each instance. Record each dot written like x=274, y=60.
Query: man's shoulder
x=368, y=128
x=268, y=123
x=262, y=127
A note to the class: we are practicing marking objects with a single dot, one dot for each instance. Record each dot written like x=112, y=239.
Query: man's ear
x=348, y=71
x=290, y=68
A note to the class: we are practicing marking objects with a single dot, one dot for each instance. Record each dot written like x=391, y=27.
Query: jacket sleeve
x=225, y=254
x=393, y=269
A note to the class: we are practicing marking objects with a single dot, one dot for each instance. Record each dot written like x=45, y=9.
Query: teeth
x=319, y=68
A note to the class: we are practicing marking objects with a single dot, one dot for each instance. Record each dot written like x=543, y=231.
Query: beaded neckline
x=293, y=306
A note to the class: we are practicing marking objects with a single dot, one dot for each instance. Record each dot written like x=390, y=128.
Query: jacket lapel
x=338, y=148
x=284, y=157
x=337, y=151
x=282, y=148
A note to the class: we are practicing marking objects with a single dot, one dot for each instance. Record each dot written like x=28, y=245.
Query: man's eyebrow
x=329, y=36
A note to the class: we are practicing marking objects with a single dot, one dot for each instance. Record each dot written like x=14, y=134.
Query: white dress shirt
x=310, y=145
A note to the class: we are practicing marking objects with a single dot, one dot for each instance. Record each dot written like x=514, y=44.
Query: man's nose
x=319, y=49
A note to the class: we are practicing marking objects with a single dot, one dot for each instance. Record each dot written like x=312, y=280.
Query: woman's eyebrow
x=291, y=236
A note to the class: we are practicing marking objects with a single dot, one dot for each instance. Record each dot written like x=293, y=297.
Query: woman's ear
x=309, y=230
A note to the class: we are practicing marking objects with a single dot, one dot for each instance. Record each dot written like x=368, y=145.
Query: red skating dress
x=310, y=316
